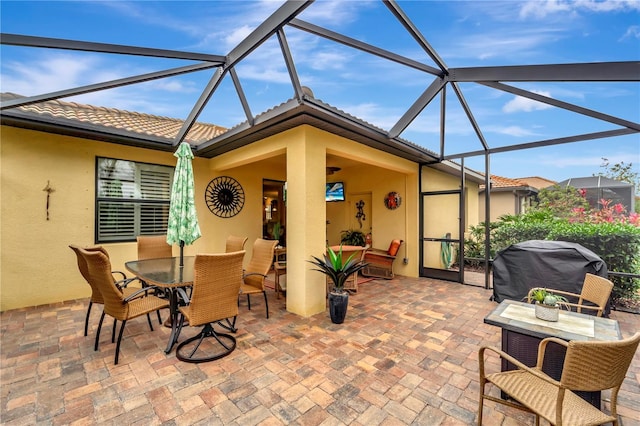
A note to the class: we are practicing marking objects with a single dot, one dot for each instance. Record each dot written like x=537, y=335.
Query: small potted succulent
x=337, y=271
x=547, y=303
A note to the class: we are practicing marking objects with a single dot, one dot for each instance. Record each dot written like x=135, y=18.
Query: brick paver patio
x=406, y=354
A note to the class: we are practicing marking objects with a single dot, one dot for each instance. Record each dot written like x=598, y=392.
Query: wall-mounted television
x=334, y=191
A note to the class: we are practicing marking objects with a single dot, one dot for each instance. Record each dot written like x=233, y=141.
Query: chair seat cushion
x=540, y=396
x=394, y=247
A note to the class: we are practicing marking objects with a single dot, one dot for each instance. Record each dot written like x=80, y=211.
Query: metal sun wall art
x=392, y=200
x=224, y=196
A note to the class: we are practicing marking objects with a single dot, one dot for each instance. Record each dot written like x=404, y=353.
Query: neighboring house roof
x=537, y=181
x=500, y=183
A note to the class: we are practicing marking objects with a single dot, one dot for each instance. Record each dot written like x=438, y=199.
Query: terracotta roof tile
x=134, y=122
x=537, y=181
x=504, y=182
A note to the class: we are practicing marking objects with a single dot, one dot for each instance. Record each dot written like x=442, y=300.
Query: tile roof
x=134, y=122
x=500, y=182
x=537, y=181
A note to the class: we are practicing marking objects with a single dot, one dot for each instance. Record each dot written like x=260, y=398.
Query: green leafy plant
x=352, y=237
x=332, y=266
x=546, y=297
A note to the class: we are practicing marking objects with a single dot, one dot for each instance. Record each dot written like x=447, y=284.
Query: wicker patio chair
x=117, y=304
x=96, y=296
x=257, y=270
x=593, y=297
x=588, y=366
x=217, y=281
x=380, y=262
x=235, y=243
x=153, y=247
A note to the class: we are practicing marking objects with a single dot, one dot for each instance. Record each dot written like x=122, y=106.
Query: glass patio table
x=167, y=274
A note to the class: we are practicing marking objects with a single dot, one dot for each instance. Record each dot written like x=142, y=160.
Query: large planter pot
x=546, y=312
x=338, y=303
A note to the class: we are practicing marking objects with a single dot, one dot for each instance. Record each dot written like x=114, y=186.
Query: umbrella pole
x=181, y=253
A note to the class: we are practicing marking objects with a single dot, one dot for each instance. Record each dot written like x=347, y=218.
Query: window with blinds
x=131, y=199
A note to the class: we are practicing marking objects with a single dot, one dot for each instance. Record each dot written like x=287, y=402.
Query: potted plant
x=337, y=271
x=352, y=237
x=547, y=304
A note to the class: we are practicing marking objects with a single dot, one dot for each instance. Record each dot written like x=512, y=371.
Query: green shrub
x=618, y=244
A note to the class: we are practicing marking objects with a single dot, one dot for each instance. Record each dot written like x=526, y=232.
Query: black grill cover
x=553, y=264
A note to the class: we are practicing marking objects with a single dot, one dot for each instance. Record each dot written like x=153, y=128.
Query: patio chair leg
x=149, y=321
x=86, y=321
x=480, y=405
x=179, y=329
x=159, y=319
x=248, y=302
x=231, y=326
x=119, y=339
x=113, y=332
x=95, y=346
x=266, y=304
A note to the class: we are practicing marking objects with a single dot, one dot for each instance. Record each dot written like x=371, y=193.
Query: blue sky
x=478, y=33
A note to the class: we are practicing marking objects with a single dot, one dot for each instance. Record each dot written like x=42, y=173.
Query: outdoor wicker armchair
x=153, y=247
x=588, y=366
x=120, y=305
x=235, y=243
x=257, y=270
x=593, y=297
x=96, y=296
x=214, y=298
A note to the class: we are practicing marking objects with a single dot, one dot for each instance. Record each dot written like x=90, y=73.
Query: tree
x=559, y=201
x=620, y=171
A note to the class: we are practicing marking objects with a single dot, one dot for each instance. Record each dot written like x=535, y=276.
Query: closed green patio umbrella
x=183, y=225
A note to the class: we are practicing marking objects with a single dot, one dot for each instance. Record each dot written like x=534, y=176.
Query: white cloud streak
x=540, y=9
x=520, y=104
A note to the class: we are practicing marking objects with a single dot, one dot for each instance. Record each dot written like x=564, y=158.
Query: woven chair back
x=596, y=290
x=598, y=365
x=217, y=280
x=235, y=243
x=153, y=247
x=96, y=296
x=100, y=275
x=260, y=263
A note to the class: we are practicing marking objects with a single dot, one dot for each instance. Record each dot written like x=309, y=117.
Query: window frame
x=137, y=200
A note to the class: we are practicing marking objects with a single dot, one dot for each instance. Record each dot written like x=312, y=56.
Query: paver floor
x=406, y=354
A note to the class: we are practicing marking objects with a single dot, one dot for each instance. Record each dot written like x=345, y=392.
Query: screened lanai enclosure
x=439, y=93
x=598, y=188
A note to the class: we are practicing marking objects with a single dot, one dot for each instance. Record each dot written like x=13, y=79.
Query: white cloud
x=542, y=9
x=632, y=32
x=518, y=104
x=516, y=131
x=607, y=5
x=582, y=161
x=503, y=43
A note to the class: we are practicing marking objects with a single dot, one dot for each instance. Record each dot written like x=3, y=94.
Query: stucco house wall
x=38, y=267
